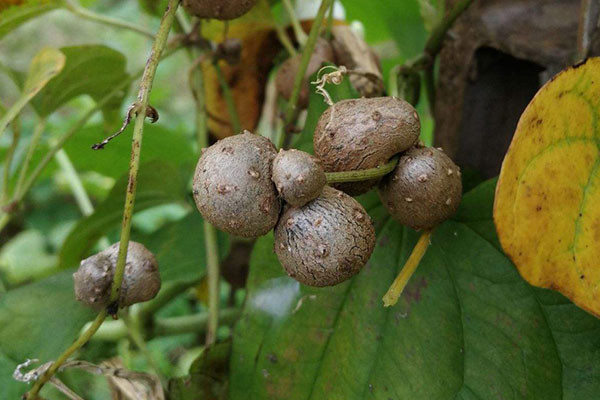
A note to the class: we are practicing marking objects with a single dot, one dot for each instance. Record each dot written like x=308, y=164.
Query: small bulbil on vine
x=284, y=80
x=141, y=280
x=233, y=188
x=218, y=9
x=364, y=133
x=424, y=189
x=325, y=242
x=298, y=176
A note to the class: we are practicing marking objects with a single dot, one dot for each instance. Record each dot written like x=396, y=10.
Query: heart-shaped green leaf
x=467, y=326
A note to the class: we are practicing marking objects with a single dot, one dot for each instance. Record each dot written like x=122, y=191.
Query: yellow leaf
x=546, y=210
x=247, y=78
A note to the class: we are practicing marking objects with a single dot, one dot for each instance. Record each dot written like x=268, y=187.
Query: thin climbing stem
x=210, y=235
x=142, y=103
x=284, y=39
x=301, y=37
x=35, y=139
x=79, y=193
x=304, y=61
x=8, y=160
x=228, y=95
x=438, y=34
x=81, y=197
x=330, y=21
x=362, y=174
x=134, y=332
x=82, y=12
x=138, y=131
x=409, y=268
x=212, y=267
x=426, y=60
x=83, y=339
x=112, y=331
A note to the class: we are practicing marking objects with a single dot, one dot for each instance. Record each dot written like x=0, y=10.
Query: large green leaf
x=37, y=321
x=179, y=248
x=467, y=326
x=13, y=16
x=94, y=70
x=158, y=183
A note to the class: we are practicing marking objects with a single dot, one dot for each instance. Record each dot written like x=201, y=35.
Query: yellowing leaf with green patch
x=546, y=208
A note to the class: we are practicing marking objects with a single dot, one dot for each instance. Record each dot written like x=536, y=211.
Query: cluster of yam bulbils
x=323, y=236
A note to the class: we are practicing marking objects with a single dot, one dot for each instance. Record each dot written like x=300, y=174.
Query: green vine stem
x=236, y=125
x=8, y=160
x=35, y=139
x=134, y=331
x=304, y=61
x=138, y=131
x=362, y=174
x=436, y=39
x=73, y=7
x=83, y=339
x=298, y=31
x=210, y=235
x=142, y=103
x=81, y=197
x=212, y=266
x=112, y=331
x=167, y=292
x=284, y=39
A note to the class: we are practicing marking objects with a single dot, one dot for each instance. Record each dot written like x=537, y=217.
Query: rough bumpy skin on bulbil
x=298, y=176
x=218, y=9
x=364, y=133
x=326, y=241
x=233, y=188
x=141, y=280
x=284, y=80
x=424, y=189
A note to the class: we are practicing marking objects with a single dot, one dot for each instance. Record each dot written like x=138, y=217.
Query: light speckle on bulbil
x=329, y=240
x=233, y=188
x=298, y=176
x=223, y=10
x=357, y=134
x=141, y=280
x=433, y=200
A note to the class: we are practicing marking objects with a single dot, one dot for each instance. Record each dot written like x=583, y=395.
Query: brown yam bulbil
x=363, y=133
x=325, y=242
x=218, y=9
x=298, y=176
x=141, y=280
x=424, y=189
x=233, y=188
x=284, y=80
